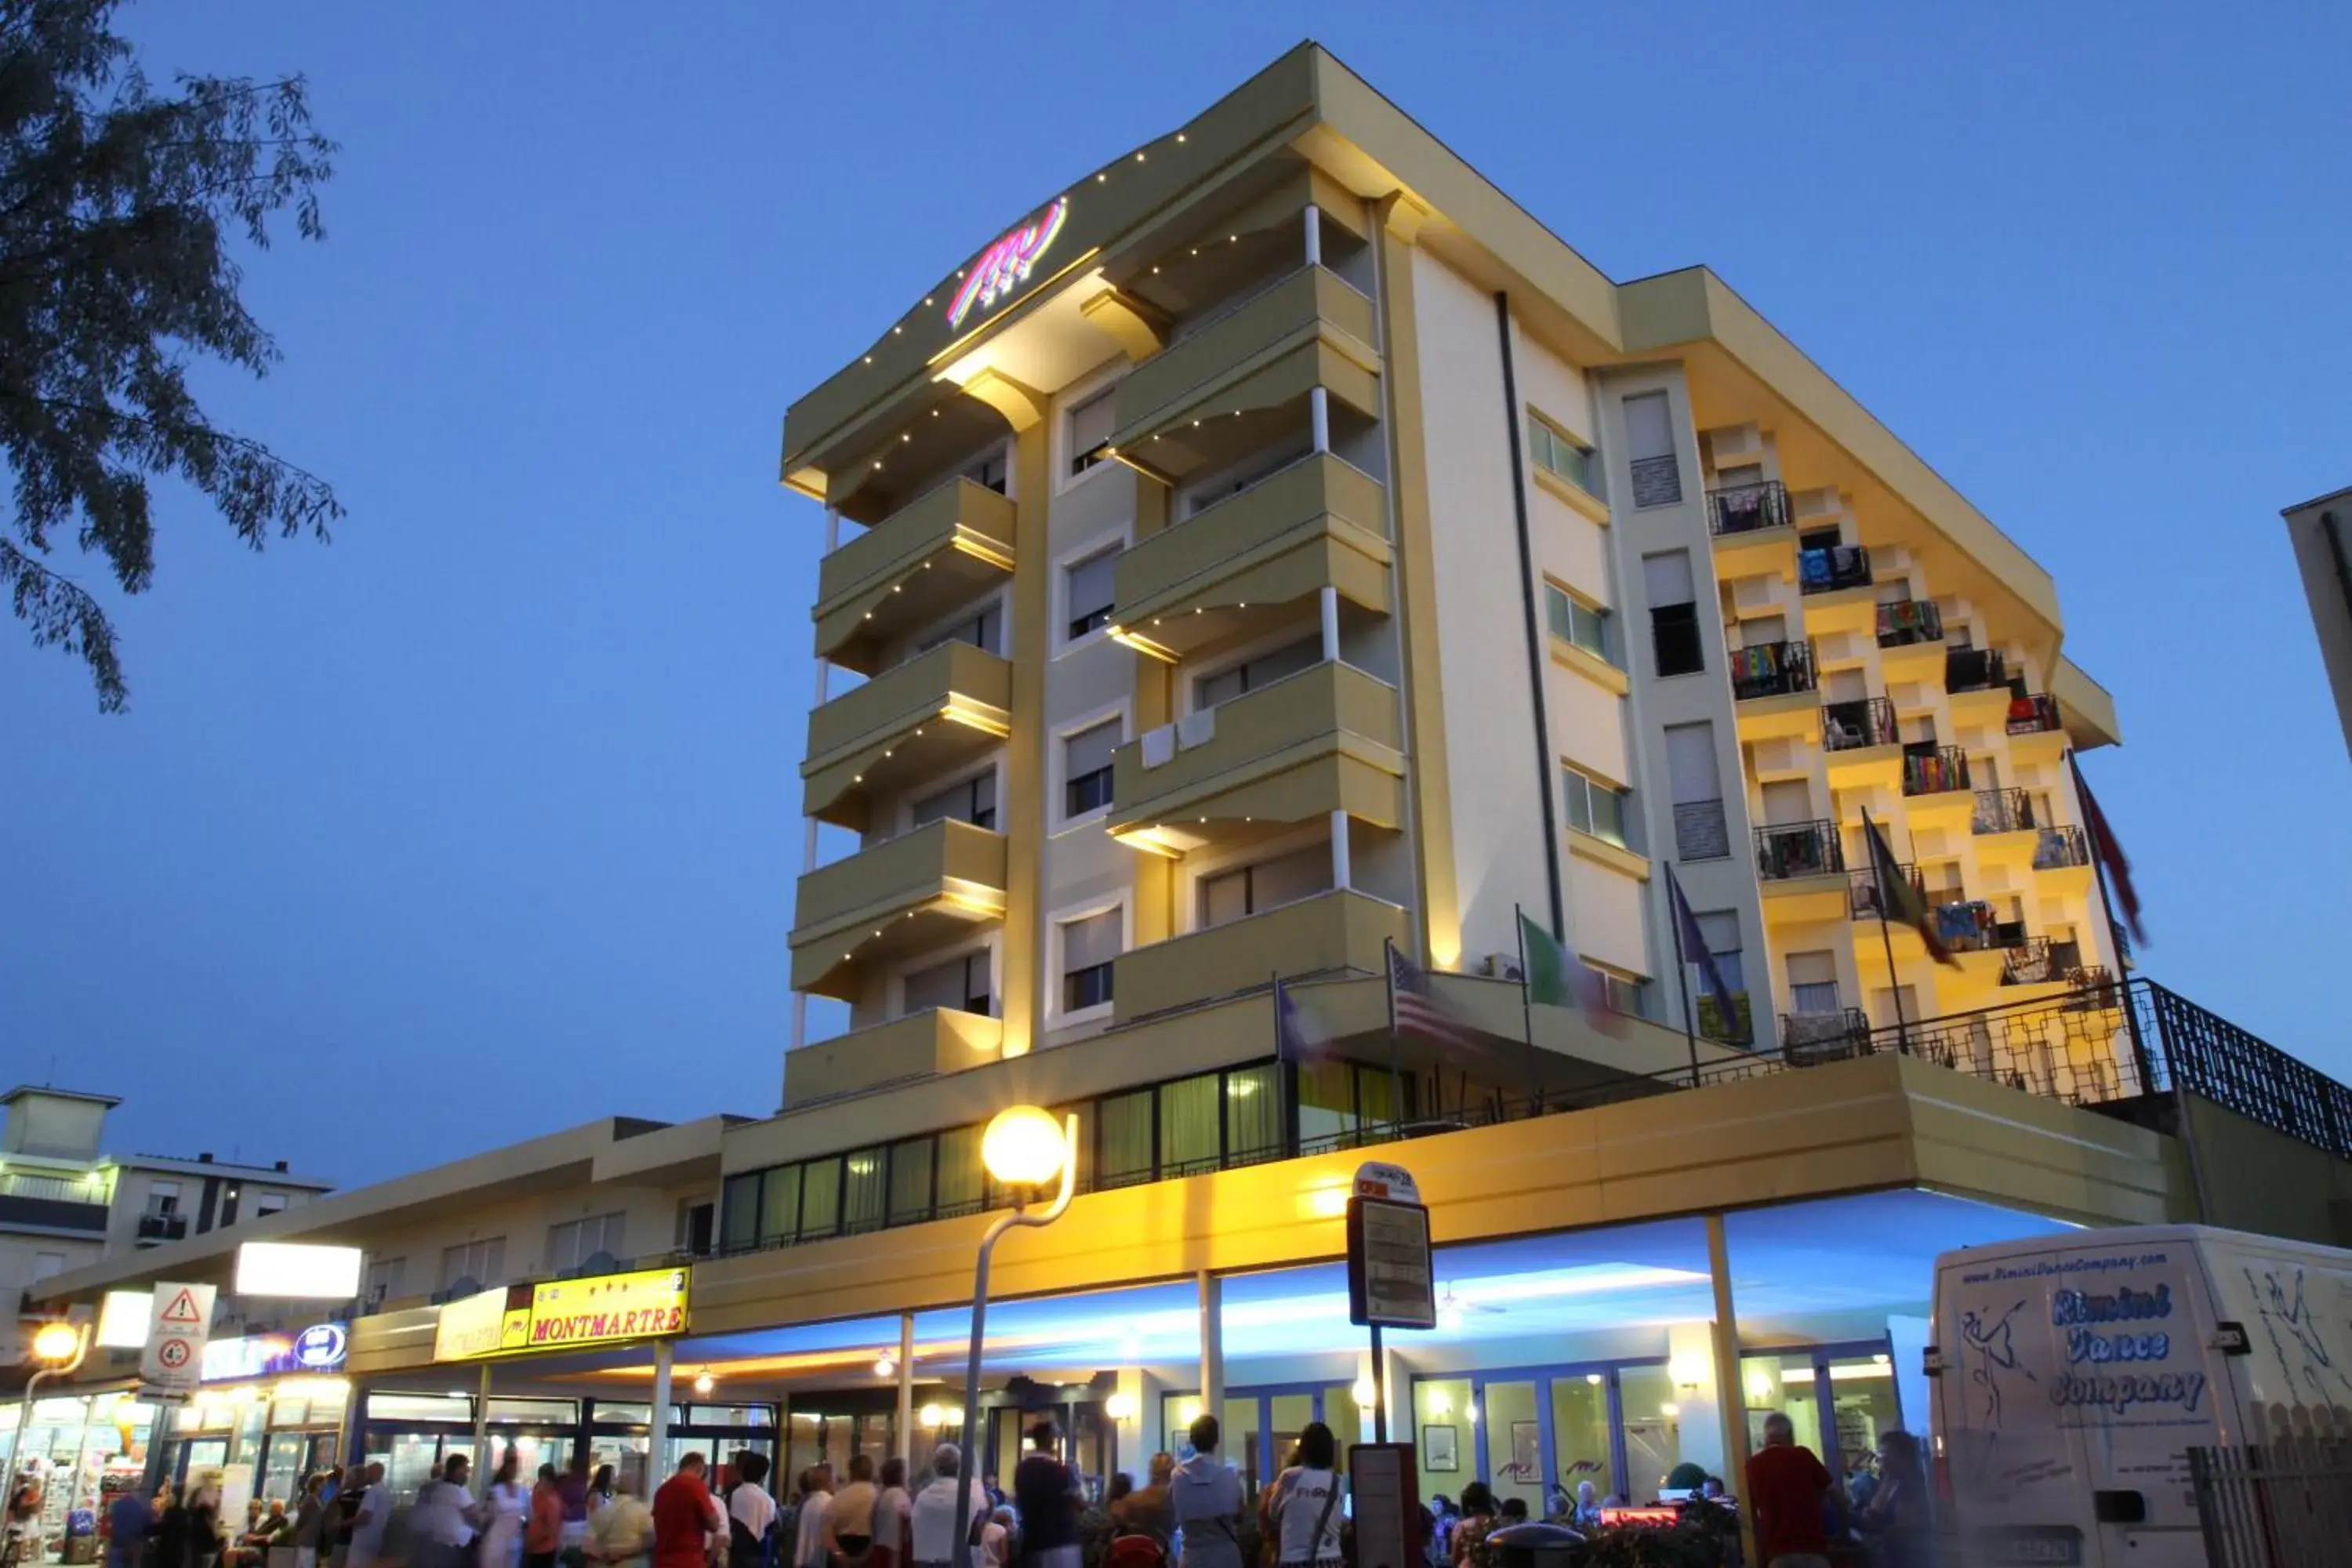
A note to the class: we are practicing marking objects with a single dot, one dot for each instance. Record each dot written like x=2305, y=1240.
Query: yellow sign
x=604, y=1309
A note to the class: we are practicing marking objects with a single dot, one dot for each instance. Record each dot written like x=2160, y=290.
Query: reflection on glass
x=1653, y=1443
x=1784, y=1384
x=1444, y=1436
x=1579, y=1430
x=1514, y=1449
x=1866, y=1407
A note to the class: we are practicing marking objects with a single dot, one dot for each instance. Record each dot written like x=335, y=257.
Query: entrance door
x=281, y=1466
x=1582, y=1449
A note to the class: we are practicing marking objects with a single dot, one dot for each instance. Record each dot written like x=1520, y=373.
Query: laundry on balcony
x=1964, y=925
x=1909, y=620
x=1160, y=746
x=1756, y=666
x=1933, y=773
x=1837, y=566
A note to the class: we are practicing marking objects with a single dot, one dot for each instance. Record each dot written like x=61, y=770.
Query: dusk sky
x=482, y=821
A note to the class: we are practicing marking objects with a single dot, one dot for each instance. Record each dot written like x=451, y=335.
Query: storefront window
x=1653, y=1444
x=420, y=1407
x=1862, y=1393
x=1515, y=1464
x=820, y=1198
x=1442, y=1423
x=536, y=1412
x=1580, y=1428
x=1782, y=1383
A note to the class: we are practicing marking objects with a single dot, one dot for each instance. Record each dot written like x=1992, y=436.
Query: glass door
x=1287, y=1416
x=281, y=1466
x=1515, y=1447
x=1582, y=1448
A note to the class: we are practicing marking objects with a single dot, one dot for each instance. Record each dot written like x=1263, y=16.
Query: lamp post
x=1025, y=1148
x=60, y=1348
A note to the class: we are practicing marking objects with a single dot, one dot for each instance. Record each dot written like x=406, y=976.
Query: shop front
x=268, y=1410
x=87, y=1447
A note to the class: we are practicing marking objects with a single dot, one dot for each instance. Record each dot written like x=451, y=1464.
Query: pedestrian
x=849, y=1518
x=310, y=1521
x=445, y=1519
x=997, y=1539
x=685, y=1516
x=505, y=1509
x=204, y=1532
x=892, y=1510
x=1896, y=1521
x=1304, y=1508
x=750, y=1514
x=1205, y=1498
x=1150, y=1509
x=942, y=1508
x=812, y=1531
x=621, y=1532
x=366, y=1508
x=602, y=1488
x=542, y=1535
x=1586, y=1515
x=573, y=1535
x=1789, y=1492
x=1472, y=1528
x=130, y=1522
x=1047, y=1495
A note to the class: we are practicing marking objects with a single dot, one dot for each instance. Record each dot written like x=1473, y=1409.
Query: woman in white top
x=505, y=1507
x=1306, y=1502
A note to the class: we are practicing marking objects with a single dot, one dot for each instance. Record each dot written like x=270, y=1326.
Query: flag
x=1695, y=950
x=1297, y=1035
x=1558, y=978
x=1417, y=1011
x=1898, y=900
x=2110, y=852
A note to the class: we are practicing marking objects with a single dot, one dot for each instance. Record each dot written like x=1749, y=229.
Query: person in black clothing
x=1047, y=1497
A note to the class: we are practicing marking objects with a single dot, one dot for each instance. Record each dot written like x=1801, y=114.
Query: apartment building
x=65, y=1204
x=2321, y=533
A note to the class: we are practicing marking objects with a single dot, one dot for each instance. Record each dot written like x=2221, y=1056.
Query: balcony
x=1771, y=669
x=2032, y=963
x=1862, y=745
x=914, y=892
x=1935, y=770
x=1800, y=849
x=2061, y=848
x=2037, y=730
x=1866, y=901
x=2005, y=811
x=936, y=1040
x=1910, y=633
x=63, y=1203
x=1320, y=523
x=909, y=725
x=161, y=1228
x=1967, y=925
x=1754, y=530
x=1975, y=669
x=1809, y=1037
x=908, y=570
x=1321, y=741
x=1206, y=396
x=1833, y=570
x=1334, y=932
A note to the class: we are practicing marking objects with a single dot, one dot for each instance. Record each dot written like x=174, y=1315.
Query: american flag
x=1418, y=1011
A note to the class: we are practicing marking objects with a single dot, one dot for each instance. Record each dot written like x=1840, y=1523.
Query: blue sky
x=480, y=821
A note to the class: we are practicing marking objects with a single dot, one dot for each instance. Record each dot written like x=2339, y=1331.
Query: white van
x=2074, y=1372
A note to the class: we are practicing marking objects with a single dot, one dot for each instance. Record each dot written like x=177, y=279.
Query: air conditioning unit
x=1502, y=966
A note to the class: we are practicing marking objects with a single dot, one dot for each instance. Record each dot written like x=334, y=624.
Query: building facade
x=2321, y=532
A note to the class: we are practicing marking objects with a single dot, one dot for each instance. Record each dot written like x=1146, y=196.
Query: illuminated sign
x=1652, y=1517
x=321, y=1347
x=1006, y=265
x=602, y=1309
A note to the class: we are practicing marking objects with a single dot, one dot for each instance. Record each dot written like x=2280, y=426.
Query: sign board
x=123, y=1318
x=321, y=1347
x=297, y=1269
x=1374, y=1180
x=563, y=1314
x=1391, y=1279
x=1383, y=1503
x=174, y=1359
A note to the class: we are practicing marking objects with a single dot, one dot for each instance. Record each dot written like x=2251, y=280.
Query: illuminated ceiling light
x=1101, y=178
x=1365, y=1399
x=927, y=299
x=1440, y=1403
x=705, y=1383
x=869, y=359
x=1593, y=1378
x=896, y=330
x=1120, y=1407
x=886, y=1366
x=1138, y=157
x=877, y=462
x=1670, y=1408
x=903, y=437
x=1450, y=1319
x=1180, y=136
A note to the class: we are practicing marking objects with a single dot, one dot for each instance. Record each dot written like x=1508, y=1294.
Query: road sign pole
x=1380, y=1390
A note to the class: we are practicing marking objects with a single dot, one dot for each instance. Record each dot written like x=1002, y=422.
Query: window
x=1812, y=982
x=864, y=1191
x=1253, y=889
x=1091, y=588
x=1561, y=454
x=47, y=1264
x=1650, y=450
x=387, y=1277
x=780, y=1204
x=1702, y=832
x=911, y=1181
x=164, y=1197
x=992, y=471
x=1086, y=769
x=483, y=1262
x=268, y=1203
x=1573, y=620
x=1090, y=428
x=961, y=985
x=973, y=801
x=1192, y=1134
x=1674, y=615
x=575, y=1241
x=1256, y=674
x=1595, y=807
x=820, y=1198
x=1628, y=994
x=1089, y=946
x=1721, y=930
x=1123, y=1141
x=985, y=630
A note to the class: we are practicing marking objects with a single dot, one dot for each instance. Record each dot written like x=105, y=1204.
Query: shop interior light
x=123, y=1318
x=1188, y=1411
x=1670, y=1408
x=1686, y=1371
x=1120, y=1407
x=1365, y=1398
x=1440, y=1403
x=705, y=1383
x=930, y=1416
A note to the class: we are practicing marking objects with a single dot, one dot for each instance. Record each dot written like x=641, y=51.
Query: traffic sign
x=174, y=1359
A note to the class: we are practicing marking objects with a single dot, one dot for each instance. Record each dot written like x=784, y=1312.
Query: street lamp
x=1025, y=1148
x=59, y=1347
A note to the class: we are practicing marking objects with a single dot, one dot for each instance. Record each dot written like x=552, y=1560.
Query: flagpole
x=1527, y=1015
x=1682, y=972
x=1894, y=981
x=1396, y=1071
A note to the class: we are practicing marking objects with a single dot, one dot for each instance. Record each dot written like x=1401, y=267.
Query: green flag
x=1547, y=965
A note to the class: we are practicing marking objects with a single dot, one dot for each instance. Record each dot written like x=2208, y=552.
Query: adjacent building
x=2321, y=532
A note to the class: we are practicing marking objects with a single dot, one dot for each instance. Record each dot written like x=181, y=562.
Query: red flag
x=2110, y=853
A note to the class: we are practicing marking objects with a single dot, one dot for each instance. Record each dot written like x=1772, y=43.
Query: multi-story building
x=2321, y=532
x=64, y=1204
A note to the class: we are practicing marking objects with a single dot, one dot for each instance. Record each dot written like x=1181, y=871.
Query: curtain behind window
x=1123, y=1139
x=1253, y=1111
x=780, y=1204
x=1189, y=1132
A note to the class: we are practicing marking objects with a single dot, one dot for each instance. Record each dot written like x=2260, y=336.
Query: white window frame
x=1111, y=542
x=895, y=987
x=1606, y=653
x=155, y=1198
x=1065, y=449
x=268, y=1203
x=1559, y=432
x=1058, y=1016
x=577, y=1230
x=486, y=1243
x=1594, y=778
x=1057, y=761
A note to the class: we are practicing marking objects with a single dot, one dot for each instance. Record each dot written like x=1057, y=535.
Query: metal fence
x=2276, y=1505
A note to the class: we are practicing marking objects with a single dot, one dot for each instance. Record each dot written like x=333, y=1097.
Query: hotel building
x=1276, y=549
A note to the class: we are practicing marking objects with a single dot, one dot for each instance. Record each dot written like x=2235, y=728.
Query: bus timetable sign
x=1391, y=1281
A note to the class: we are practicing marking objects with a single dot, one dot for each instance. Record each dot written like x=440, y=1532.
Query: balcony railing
x=1836, y=566
x=1865, y=900
x=2030, y=964
x=1701, y=830
x=163, y=1227
x=1798, y=849
x=1743, y=509
x=1850, y=726
x=1906, y=621
x=1771, y=669
x=2006, y=811
x=1967, y=925
x=1974, y=669
x=2033, y=714
x=57, y=1189
x=1808, y=1037
x=2061, y=846
x=1940, y=772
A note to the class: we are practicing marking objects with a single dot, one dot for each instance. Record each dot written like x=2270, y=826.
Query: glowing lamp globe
x=1024, y=1147
x=57, y=1341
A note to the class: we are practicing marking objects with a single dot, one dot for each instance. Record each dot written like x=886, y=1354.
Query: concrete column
x=1728, y=1390
x=808, y=824
x=1329, y=597
x=1341, y=873
x=1213, y=1345
x=659, y=1425
x=1319, y=415
x=907, y=1390
x=1314, y=236
x=484, y=1466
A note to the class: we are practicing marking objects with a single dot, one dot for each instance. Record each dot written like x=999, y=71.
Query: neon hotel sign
x=1006, y=265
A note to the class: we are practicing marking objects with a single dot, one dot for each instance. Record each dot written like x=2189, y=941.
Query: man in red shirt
x=1789, y=1489
x=684, y=1516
